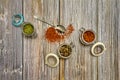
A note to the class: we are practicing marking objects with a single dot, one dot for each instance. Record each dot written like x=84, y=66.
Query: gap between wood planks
x=62, y=61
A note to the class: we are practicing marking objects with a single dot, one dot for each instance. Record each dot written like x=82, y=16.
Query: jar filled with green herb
x=65, y=50
x=28, y=29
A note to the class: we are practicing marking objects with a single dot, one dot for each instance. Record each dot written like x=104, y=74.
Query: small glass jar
x=28, y=29
x=65, y=50
x=87, y=37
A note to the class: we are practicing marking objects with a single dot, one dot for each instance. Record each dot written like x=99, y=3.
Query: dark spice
x=65, y=50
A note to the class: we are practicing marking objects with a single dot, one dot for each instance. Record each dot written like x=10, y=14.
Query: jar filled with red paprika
x=87, y=36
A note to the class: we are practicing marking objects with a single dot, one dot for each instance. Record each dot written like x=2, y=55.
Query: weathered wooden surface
x=10, y=41
x=36, y=49
x=22, y=58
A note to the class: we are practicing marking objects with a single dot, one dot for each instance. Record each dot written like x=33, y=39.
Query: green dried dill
x=28, y=29
x=65, y=50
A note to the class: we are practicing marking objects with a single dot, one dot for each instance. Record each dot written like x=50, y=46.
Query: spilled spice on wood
x=52, y=35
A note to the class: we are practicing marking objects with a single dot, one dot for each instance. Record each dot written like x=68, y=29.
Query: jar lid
x=17, y=20
x=101, y=46
x=54, y=57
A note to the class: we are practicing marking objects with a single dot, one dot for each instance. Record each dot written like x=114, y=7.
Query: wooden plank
x=108, y=21
x=79, y=13
x=118, y=12
x=101, y=16
x=62, y=61
x=10, y=41
x=36, y=49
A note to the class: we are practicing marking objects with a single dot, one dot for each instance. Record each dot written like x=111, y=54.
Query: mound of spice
x=28, y=29
x=65, y=50
x=88, y=36
x=52, y=35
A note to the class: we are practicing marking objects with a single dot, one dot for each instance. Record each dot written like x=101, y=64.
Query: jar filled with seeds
x=65, y=50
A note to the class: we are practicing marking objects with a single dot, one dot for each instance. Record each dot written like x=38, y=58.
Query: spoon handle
x=42, y=21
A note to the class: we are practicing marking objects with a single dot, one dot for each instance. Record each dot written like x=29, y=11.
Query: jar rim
x=85, y=42
x=62, y=55
x=28, y=23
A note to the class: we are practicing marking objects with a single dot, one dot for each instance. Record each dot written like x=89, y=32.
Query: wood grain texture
x=103, y=17
x=107, y=30
x=36, y=49
x=10, y=41
x=23, y=58
x=118, y=35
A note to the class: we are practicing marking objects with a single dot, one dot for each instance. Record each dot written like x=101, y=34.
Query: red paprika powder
x=88, y=36
x=52, y=35
x=69, y=30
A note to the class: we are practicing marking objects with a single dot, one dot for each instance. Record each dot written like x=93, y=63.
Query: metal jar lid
x=101, y=46
x=17, y=20
x=52, y=55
